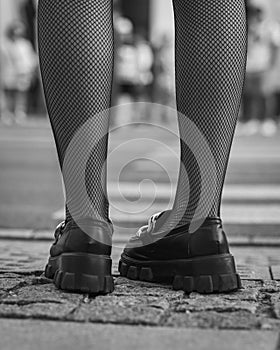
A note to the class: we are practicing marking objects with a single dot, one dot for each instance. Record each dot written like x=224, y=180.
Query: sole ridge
x=123, y=269
x=90, y=284
x=188, y=284
x=58, y=278
x=109, y=284
x=48, y=272
x=67, y=281
x=204, y=285
x=132, y=272
x=146, y=274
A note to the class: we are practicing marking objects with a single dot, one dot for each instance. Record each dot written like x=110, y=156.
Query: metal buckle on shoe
x=148, y=229
x=58, y=230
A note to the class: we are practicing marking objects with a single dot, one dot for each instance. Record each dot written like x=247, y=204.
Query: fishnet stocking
x=210, y=65
x=76, y=59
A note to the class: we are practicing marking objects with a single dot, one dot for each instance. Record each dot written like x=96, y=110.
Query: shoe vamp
x=167, y=248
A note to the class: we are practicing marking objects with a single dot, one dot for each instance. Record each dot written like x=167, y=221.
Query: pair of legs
x=76, y=59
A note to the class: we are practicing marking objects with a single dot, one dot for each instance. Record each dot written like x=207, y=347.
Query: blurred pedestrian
x=126, y=59
x=35, y=98
x=164, y=84
x=274, y=81
x=18, y=65
x=126, y=70
x=133, y=69
x=28, y=17
x=261, y=59
x=144, y=61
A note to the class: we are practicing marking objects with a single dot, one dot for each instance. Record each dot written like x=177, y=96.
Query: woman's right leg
x=75, y=40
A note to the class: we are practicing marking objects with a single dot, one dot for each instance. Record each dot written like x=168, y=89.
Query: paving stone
x=124, y=286
x=213, y=319
x=141, y=310
x=275, y=270
x=275, y=301
x=252, y=284
x=11, y=281
x=270, y=287
x=198, y=303
x=270, y=324
x=37, y=293
x=254, y=272
x=49, y=310
x=249, y=292
x=256, y=256
x=23, y=256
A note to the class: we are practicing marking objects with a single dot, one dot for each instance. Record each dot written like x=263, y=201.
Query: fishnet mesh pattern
x=76, y=59
x=210, y=51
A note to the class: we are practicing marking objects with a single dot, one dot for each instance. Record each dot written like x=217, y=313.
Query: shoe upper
x=84, y=236
x=208, y=239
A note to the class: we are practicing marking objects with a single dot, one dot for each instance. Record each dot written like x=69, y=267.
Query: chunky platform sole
x=207, y=274
x=81, y=272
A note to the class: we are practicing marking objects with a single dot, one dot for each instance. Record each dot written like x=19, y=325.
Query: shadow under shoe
x=80, y=257
x=198, y=261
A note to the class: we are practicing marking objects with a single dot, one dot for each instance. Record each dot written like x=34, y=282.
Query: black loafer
x=199, y=261
x=80, y=257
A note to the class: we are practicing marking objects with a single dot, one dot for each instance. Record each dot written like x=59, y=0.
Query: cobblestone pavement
x=256, y=306
x=26, y=293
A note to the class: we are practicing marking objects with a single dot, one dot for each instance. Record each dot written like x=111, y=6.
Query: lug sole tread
x=77, y=278
x=82, y=282
x=203, y=284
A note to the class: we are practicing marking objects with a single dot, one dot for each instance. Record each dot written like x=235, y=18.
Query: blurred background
x=30, y=185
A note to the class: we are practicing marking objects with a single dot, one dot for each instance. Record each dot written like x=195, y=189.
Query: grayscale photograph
x=140, y=174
